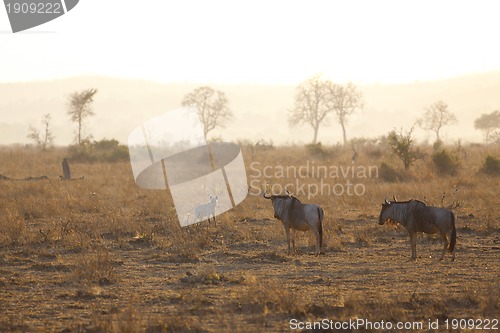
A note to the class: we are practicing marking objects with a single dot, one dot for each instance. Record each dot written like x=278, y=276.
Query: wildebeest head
x=386, y=212
x=280, y=203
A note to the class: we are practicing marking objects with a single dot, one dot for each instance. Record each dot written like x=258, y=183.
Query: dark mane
x=286, y=196
x=408, y=201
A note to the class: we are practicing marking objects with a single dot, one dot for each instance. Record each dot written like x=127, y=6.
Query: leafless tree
x=489, y=123
x=46, y=139
x=80, y=107
x=346, y=99
x=312, y=104
x=212, y=107
x=316, y=98
x=436, y=117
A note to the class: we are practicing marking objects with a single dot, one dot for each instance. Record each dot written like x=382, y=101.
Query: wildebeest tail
x=320, y=217
x=453, y=240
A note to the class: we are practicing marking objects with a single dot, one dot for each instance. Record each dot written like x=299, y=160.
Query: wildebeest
x=298, y=216
x=205, y=210
x=416, y=216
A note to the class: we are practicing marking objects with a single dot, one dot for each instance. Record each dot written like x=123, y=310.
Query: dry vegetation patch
x=102, y=255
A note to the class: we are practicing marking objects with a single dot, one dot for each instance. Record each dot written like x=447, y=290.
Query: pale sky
x=258, y=41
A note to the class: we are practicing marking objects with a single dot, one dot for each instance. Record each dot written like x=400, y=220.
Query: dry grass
x=102, y=255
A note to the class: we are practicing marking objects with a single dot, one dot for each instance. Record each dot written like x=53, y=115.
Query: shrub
x=316, y=150
x=402, y=145
x=445, y=162
x=389, y=174
x=99, y=151
x=491, y=166
x=438, y=145
x=264, y=145
x=374, y=153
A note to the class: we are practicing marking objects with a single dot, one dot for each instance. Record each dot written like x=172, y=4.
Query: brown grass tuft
x=94, y=268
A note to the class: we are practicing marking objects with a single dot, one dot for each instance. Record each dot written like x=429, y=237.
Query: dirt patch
x=262, y=287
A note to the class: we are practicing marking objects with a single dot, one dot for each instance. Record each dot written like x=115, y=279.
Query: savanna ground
x=102, y=255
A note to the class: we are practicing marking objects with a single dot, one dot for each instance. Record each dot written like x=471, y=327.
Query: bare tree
x=212, y=107
x=80, y=107
x=489, y=123
x=312, y=104
x=346, y=99
x=34, y=135
x=436, y=116
x=46, y=139
x=316, y=99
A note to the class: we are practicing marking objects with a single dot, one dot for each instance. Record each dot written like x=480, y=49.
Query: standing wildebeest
x=298, y=216
x=416, y=216
x=205, y=210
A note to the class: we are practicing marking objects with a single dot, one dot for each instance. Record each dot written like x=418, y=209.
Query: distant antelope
x=206, y=210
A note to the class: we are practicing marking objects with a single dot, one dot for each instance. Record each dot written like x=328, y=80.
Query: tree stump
x=66, y=171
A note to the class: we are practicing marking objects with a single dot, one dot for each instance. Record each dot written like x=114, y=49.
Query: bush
x=374, y=153
x=445, y=162
x=316, y=150
x=491, y=166
x=438, y=145
x=99, y=151
x=264, y=145
x=402, y=145
x=389, y=174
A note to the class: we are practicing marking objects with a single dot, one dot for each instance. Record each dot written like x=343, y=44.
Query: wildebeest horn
x=287, y=192
x=266, y=197
x=387, y=202
x=394, y=198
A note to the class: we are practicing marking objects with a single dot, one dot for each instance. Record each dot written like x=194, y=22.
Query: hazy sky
x=258, y=41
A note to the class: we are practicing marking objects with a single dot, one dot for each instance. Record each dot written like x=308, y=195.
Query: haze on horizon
x=258, y=42
x=224, y=42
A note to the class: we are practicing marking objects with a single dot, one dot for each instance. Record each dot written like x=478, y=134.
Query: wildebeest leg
x=413, y=244
x=453, y=237
x=445, y=241
x=293, y=242
x=452, y=252
x=318, y=249
x=287, y=231
x=317, y=235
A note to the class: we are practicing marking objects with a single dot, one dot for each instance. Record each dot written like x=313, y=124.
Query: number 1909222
x=34, y=8
x=477, y=324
